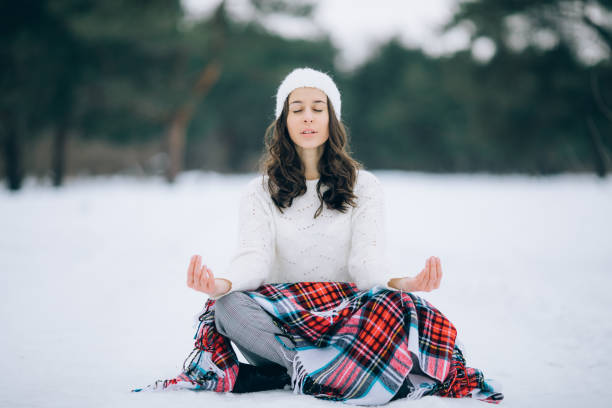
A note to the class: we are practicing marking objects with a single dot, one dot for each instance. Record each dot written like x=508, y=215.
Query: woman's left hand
x=427, y=280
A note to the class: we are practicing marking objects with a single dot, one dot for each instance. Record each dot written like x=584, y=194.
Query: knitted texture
x=308, y=77
x=293, y=246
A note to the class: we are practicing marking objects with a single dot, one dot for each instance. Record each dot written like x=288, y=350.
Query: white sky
x=357, y=27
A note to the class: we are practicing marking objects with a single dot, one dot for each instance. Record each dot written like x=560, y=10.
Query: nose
x=308, y=116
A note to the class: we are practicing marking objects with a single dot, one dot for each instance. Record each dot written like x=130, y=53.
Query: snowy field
x=93, y=300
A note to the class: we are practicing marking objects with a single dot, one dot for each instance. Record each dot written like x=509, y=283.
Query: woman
x=338, y=238
x=315, y=216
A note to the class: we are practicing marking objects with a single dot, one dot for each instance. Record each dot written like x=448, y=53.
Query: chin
x=311, y=144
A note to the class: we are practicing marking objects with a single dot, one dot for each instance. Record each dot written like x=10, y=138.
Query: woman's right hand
x=200, y=278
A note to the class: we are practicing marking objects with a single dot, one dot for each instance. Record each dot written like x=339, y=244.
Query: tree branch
x=603, y=33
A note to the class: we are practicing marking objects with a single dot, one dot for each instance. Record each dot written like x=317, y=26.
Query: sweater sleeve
x=253, y=257
x=367, y=260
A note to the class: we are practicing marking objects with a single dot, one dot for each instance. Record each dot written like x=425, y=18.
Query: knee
x=228, y=309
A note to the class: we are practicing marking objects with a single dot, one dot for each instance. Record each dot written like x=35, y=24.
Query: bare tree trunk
x=599, y=100
x=175, y=137
x=60, y=144
x=12, y=152
x=601, y=156
x=604, y=161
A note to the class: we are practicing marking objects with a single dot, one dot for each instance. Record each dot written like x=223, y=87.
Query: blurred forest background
x=99, y=87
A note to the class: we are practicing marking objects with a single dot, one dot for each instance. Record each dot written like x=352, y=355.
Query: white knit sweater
x=293, y=246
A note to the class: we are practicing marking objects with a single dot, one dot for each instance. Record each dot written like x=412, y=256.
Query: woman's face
x=308, y=118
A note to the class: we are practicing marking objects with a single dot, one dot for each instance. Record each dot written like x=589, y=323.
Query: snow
x=94, y=301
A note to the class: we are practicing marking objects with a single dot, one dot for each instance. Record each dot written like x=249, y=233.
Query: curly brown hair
x=286, y=179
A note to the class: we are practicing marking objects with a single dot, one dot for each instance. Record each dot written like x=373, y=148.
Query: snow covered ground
x=93, y=300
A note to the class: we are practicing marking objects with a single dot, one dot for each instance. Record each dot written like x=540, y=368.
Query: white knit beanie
x=307, y=77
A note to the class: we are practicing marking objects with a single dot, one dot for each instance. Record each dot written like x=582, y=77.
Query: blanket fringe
x=298, y=377
x=417, y=393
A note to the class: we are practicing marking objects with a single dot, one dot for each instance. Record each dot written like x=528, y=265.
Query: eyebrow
x=317, y=101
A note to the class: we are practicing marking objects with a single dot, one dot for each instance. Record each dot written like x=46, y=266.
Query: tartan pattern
x=212, y=366
x=465, y=381
x=353, y=346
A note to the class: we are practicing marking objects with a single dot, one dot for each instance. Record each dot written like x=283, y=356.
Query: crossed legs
x=243, y=321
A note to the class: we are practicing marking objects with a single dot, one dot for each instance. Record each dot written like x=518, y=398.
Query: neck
x=310, y=159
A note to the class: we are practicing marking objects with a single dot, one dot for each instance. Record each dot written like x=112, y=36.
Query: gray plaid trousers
x=239, y=318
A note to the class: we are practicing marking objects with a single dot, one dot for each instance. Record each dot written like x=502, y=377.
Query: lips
x=308, y=132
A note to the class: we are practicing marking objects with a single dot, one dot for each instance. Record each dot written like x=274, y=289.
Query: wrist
x=222, y=286
x=401, y=284
x=394, y=283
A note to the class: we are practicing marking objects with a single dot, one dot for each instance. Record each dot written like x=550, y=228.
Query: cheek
x=326, y=131
x=291, y=126
x=325, y=134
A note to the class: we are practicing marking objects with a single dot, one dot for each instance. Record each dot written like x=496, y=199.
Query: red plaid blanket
x=361, y=347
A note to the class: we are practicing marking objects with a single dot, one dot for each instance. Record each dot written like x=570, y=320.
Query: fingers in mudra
x=433, y=274
x=430, y=275
x=197, y=277
x=211, y=280
x=202, y=278
x=429, y=278
x=438, y=273
x=192, y=270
